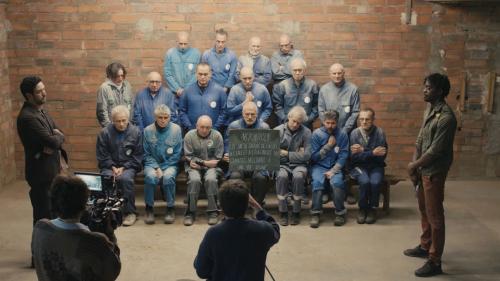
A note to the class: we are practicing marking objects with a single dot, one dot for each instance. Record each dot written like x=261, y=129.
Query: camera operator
x=236, y=249
x=64, y=248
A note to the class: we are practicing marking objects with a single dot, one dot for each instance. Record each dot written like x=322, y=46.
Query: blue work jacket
x=162, y=146
x=286, y=95
x=196, y=102
x=223, y=66
x=325, y=156
x=180, y=67
x=237, y=96
x=145, y=105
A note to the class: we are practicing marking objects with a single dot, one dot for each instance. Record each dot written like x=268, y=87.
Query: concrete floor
x=351, y=252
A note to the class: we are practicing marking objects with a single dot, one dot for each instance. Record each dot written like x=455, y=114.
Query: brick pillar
x=7, y=163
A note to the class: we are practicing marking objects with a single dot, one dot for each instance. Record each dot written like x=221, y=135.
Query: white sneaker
x=129, y=220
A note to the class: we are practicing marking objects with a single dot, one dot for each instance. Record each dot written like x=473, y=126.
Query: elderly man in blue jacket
x=204, y=97
x=180, y=64
x=248, y=91
x=297, y=90
x=149, y=98
x=329, y=152
x=162, y=152
x=222, y=61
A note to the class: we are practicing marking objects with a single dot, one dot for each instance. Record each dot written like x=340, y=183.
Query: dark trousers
x=125, y=183
x=430, y=203
x=259, y=187
x=40, y=200
x=369, y=186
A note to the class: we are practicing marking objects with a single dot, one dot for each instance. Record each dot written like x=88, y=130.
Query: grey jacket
x=344, y=99
x=109, y=96
x=297, y=143
x=280, y=64
x=286, y=95
x=197, y=148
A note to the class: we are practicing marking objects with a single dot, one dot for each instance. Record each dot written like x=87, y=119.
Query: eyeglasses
x=155, y=82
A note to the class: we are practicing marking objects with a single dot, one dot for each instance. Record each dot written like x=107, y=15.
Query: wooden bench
x=181, y=186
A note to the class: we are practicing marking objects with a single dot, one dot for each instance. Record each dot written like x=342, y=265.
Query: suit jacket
x=36, y=131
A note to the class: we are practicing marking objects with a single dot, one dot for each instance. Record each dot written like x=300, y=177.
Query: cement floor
x=352, y=252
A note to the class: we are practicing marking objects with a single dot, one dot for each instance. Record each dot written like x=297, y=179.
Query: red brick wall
x=70, y=43
x=7, y=162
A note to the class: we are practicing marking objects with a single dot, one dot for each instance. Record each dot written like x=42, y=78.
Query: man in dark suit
x=42, y=141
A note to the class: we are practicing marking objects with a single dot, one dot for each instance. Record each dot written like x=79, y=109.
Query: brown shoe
x=429, y=269
x=417, y=252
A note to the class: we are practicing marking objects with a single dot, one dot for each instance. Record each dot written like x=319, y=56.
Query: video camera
x=103, y=212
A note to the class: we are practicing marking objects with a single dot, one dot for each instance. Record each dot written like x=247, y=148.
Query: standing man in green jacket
x=428, y=170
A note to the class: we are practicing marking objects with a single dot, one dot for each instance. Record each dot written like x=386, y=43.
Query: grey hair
x=162, y=109
x=300, y=60
x=298, y=112
x=120, y=109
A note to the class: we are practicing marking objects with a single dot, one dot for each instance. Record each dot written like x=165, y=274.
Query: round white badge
x=190, y=66
x=128, y=152
x=259, y=103
x=213, y=104
x=170, y=150
x=337, y=149
x=307, y=99
x=210, y=143
x=228, y=66
x=347, y=109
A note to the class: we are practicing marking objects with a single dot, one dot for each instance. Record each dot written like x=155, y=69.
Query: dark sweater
x=73, y=255
x=236, y=249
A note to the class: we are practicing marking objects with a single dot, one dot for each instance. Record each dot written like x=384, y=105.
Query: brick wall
x=7, y=163
x=70, y=43
x=465, y=43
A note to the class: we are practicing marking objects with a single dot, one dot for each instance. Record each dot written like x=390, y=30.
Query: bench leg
x=387, y=197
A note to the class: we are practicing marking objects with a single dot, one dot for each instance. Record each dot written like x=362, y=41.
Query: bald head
x=154, y=81
x=246, y=71
x=336, y=67
x=183, y=41
x=204, y=120
x=285, y=44
x=337, y=74
x=284, y=39
x=246, y=77
x=254, y=46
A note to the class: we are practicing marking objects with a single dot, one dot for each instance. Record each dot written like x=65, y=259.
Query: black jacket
x=37, y=132
x=236, y=249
